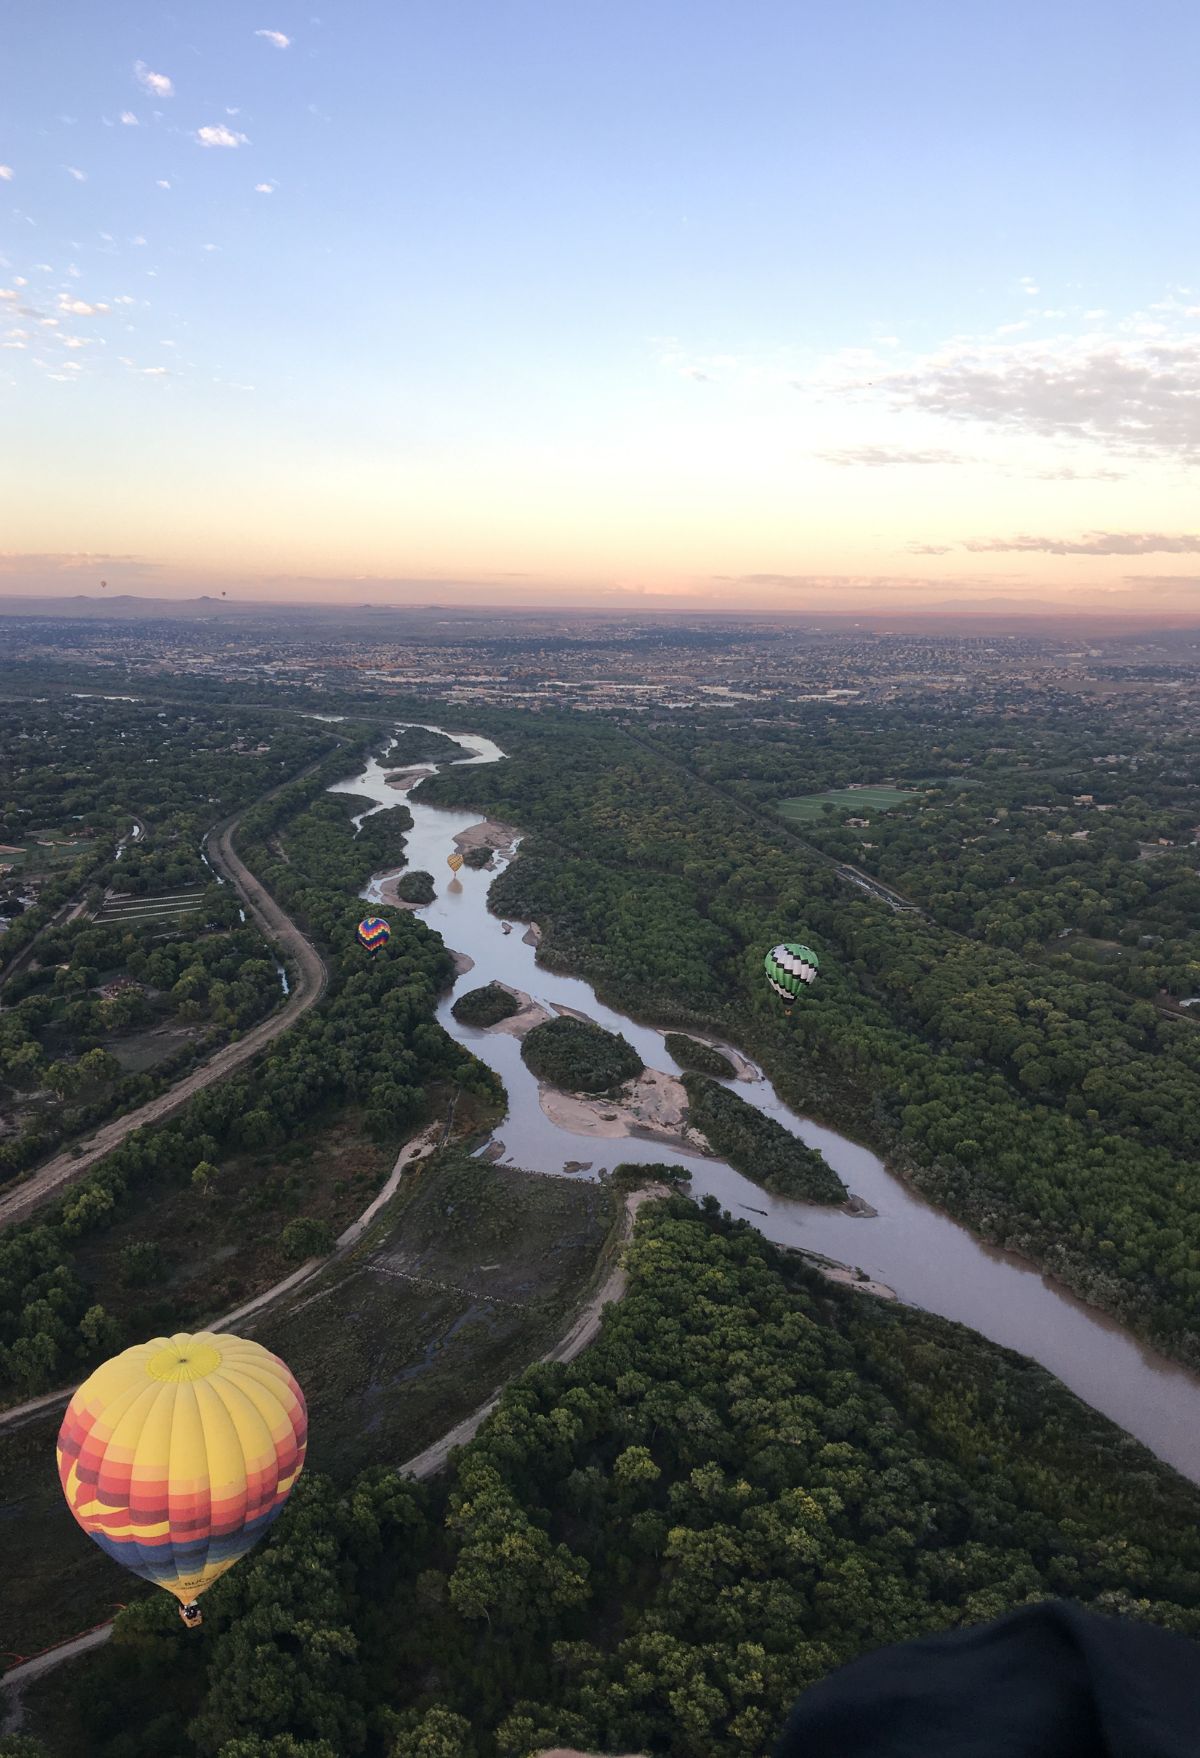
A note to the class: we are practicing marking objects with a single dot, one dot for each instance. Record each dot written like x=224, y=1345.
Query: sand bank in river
x=517, y=1024
x=502, y=839
x=654, y=1105
x=404, y=779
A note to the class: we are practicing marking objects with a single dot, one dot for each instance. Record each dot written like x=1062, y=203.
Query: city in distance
x=599, y=881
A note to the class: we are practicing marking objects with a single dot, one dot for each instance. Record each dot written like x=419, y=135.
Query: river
x=930, y=1260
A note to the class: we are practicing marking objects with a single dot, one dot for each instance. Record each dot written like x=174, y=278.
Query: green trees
x=759, y=1147
x=580, y=1057
x=748, y=1479
x=416, y=888
x=701, y=1058
x=486, y=1006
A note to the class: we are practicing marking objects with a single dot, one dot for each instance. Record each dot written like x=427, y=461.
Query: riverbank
x=502, y=839
x=928, y=1258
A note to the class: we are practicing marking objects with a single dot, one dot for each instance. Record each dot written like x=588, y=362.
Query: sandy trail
x=583, y=1329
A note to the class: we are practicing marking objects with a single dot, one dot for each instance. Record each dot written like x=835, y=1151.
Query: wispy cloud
x=1093, y=543
x=1135, y=391
x=276, y=37
x=217, y=135
x=158, y=84
x=697, y=373
x=128, y=119
x=162, y=183
x=264, y=188
x=76, y=173
x=6, y=173
x=929, y=548
x=79, y=307
x=878, y=457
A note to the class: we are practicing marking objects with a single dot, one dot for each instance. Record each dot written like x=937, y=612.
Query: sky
x=750, y=305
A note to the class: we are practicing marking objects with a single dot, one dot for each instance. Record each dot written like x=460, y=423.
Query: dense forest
x=748, y=1479
x=579, y=1056
x=758, y=1146
x=1056, y=1115
x=486, y=1006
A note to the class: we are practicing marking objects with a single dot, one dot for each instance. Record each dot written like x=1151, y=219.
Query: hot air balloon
x=177, y=1454
x=790, y=969
x=374, y=934
x=454, y=861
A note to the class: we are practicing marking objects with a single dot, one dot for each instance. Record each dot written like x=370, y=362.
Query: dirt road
x=573, y=1343
x=427, y=1464
x=309, y=979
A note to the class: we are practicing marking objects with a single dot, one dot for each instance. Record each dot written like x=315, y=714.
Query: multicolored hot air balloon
x=790, y=969
x=177, y=1454
x=454, y=861
x=373, y=933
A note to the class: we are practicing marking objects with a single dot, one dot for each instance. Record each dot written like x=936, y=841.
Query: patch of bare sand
x=500, y=838
x=517, y=1024
x=404, y=779
x=654, y=1105
x=387, y=895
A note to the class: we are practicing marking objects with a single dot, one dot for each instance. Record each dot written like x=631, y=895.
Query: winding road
x=309, y=977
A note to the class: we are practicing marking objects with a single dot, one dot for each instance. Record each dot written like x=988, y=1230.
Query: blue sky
x=753, y=303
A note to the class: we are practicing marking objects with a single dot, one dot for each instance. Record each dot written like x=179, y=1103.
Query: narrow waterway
x=930, y=1260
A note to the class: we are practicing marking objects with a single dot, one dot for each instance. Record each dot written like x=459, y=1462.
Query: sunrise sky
x=758, y=304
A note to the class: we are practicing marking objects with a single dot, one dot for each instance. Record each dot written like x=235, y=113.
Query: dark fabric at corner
x=1049, y=1681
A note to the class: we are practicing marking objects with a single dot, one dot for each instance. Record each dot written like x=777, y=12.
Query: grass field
x=470, y=1275
x=859, y=800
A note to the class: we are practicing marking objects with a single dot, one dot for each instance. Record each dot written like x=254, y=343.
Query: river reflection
x=929, y=1259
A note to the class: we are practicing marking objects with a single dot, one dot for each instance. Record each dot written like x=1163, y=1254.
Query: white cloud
x=1128, y=391
x=878, y=456
x=79, y=307
x=162, y=183
x=264, y=188
x=129, y=119
x=76, y=173
x=9, y=293
x=154, y=372
x=217, y=135
x=276, y=37
x=1092, y=543
x=157, y=83
x=6, y=173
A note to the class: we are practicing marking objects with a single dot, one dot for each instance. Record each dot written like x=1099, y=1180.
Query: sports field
x=860, y=800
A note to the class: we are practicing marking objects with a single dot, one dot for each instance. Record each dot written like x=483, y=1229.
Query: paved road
x=309, y=979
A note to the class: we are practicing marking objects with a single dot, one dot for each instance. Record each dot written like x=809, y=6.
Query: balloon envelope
x=454, y=862
x=374, y=933
x=177, y=1454
x=791, y=968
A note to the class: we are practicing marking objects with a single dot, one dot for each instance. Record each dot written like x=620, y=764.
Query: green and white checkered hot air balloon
x=791, y=968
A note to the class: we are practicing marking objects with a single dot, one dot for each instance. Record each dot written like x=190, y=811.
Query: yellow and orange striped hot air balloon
x=177, y=1454
x=454, y=861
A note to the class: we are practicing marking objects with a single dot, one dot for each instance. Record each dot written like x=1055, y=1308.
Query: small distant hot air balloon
x=790, y=969
x=454, y=861
x=373, y=934
x=103, y=585
x=177, y=1454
